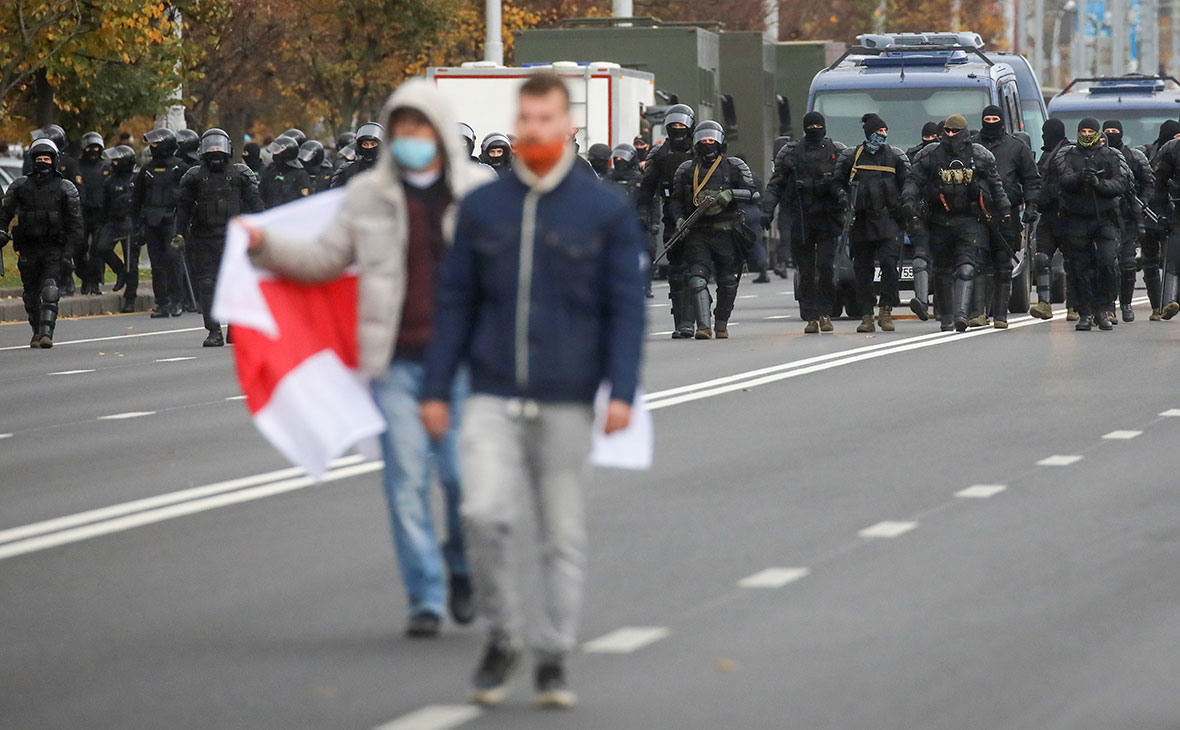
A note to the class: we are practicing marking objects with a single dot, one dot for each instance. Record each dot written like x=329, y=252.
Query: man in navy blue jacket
x=542, y=296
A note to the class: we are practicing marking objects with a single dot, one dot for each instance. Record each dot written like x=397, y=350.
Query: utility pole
x=1149, y=36
x=956, y=11
x=1038, y=38
x=1118, y=37
x=494, y=44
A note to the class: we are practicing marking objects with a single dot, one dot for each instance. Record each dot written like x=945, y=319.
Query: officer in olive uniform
x=655, y=192
x=811, y=204
x=946, y=187
x=50, y=225
x=878, y=172
x=210, y=195
x=717, y=244
x=154, y=198
x=285, y=180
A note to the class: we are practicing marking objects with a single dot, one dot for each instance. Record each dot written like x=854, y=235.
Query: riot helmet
x=284, y=149
x=122, y=158
x=344, y=140
x=311, y=154
x=56, y=135
x=43, y=147
x=162, y=141
x=216, y=149
x=709, y=140
x=347, y=152
x=368, y=141
x=468, y=135
x=679, y=122
x=624, y=157
x=496, y=150
x=296, y=135
x=92, y=146
x=188, y=143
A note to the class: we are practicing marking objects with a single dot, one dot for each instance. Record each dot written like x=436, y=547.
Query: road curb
x=12, y=308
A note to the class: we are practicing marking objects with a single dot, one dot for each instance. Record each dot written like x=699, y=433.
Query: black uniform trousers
x=866, y=253
x=39, y=264
x=1093, y=246
x=814, y=249
x=713, y=253
x=205, y=257
x=90, y=266
x=165, y=287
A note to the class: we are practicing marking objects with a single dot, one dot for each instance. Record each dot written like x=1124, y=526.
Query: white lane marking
x=109, y=339
x=176, y=359
x=236, y=397
x=657, y=304
x=775, y=373
x=625, y=640
x=1122, y=435
x=748, y=296
x=778, y=316
x=71, y=372
x=774, y=577
x=434, y=717
x=124, y=416
x=1060, y=460
x=980, y=491
x=160, y=500
x=659, y=334
x=139, y=519
x=888, y=529
x=5, y=435
x=1171, y=413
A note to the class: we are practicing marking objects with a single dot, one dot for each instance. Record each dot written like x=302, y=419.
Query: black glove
x=4, y=238
x=767, y=222
x=1030, y=214
x=1090, y=177
x=909, y=210
x=804, y=186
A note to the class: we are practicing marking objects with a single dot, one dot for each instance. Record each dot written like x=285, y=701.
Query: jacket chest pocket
x=575, y=256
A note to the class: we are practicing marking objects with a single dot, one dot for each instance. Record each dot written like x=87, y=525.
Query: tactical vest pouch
x=212, y=213
x=957, y=175
x=156, y=217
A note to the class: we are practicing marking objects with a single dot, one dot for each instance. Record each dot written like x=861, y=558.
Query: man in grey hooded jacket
x=395, y=227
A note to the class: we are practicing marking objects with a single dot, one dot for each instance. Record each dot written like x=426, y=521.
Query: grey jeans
x=513, y=452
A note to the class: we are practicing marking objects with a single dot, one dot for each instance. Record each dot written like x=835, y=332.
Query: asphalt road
x=802, y=555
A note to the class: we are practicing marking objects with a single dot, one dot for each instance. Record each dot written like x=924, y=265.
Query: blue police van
x=1142, y=103
x=913, y=78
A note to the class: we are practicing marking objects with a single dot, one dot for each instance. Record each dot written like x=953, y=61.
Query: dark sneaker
x=214, y=339
x=500, y=661
x=552, y=691
x=423, y=625
x=462, y=600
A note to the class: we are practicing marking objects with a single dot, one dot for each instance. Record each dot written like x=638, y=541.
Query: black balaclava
x=680, y=139
x=217, y=161
x=1168, y=130
x=92, y=153
x=1053, y=134
x=1091, y=140
x=930, y=129
x=812, y=133
x=251, y=156
x=991, y=130
x=42, y=170
x=1114, y=140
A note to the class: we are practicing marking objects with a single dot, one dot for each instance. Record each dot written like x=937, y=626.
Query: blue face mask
x=413, y=153
x=875, y=142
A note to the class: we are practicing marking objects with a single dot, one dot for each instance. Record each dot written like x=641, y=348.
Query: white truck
x=607, y=100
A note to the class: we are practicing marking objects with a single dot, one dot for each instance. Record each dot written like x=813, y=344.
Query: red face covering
x=540, y=158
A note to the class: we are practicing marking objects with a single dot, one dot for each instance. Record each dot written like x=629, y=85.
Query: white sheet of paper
x=631, y=448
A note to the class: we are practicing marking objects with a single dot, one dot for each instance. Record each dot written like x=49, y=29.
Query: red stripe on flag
x=311, y=318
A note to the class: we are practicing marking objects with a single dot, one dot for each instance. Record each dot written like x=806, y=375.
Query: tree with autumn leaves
x=260, y=66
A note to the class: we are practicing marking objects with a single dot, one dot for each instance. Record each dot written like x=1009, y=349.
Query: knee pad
x=698, y=271
x=965, y=272
x=920, y=265
x=49, y=292
x=675, y=284
x=1128, y=266
x=1041, y=261
x=728, y=279
x=696, y=283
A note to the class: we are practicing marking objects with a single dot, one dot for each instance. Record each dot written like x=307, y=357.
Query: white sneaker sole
x=562, y=699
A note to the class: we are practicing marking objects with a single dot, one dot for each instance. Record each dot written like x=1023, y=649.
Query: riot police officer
x=285, y=180
x=1141, y=189
x=368, y=149
x=311, y=156
x=1155, y=235
x=251, y=156
x=1051, y=232
x=210, y=195
x=1091, y=176
x=188, y=144
x=599, y=158
x=874, y=174
x=295, y=134
x=154, y=198
x=496, y=153
x=920, y=237
x=717, y=244
x=50, y=225
x=1166, y=165
x=625, y=173
x=945, y=187
x=811, y=205
x=117, y=221
x=467, y=134
x=929, y=137
x=656, y=189
x=1001, y=238
x=346, y=140
x=70, y=169
x=94, y=170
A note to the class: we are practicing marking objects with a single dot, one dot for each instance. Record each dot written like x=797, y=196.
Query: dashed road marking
x=434, y=717
x=980, y=491
x=774, y=577
x=625, y=640
x=176, y=359
x=1060, y=460
x=236, y=397
x=72, y=372
x=1122, y=435
x=1171, y=413
x=659, y=334
x=748, y=296
x=778, y=316
x=5, y=435
x=887, y=529
x=124, y=416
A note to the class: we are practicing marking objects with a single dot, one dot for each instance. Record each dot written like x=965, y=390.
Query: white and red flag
x=295, y=344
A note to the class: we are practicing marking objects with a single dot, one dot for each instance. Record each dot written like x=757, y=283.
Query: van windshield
x=1140, y=126
x=904, y=110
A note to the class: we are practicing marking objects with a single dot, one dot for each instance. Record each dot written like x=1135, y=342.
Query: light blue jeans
x=409, y=454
